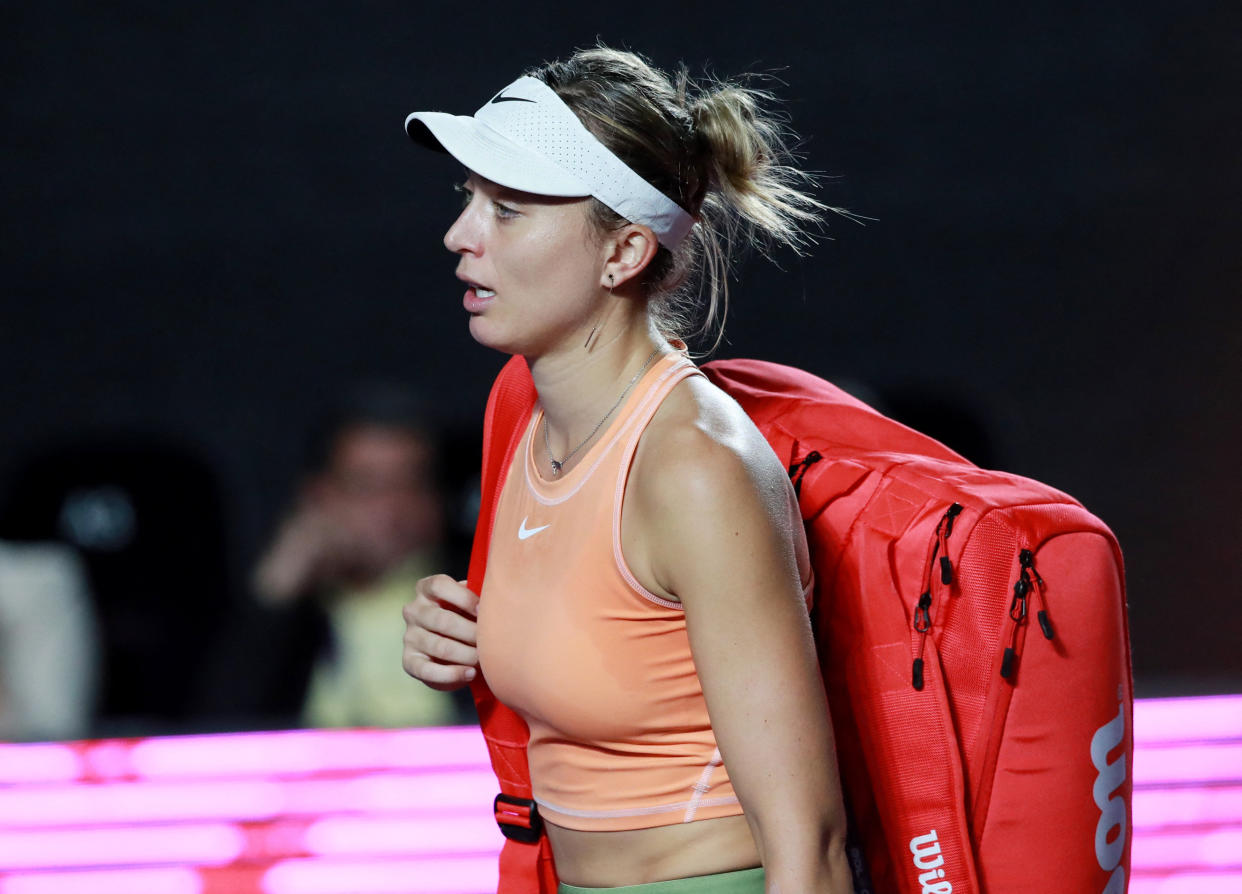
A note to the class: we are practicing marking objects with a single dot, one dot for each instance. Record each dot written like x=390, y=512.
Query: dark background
x=212, y=218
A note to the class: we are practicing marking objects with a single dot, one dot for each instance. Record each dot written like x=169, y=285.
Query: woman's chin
x=485, y=333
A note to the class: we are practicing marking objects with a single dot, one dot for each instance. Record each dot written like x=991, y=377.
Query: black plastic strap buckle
x=518, y=818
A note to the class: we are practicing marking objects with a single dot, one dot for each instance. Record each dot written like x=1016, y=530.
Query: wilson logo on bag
x=927, y=859
x=1109, y=790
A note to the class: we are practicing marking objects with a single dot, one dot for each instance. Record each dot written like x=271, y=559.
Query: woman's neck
x=578, y=385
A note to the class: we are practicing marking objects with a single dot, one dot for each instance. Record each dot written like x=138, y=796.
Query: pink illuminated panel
x=193, y=843
x=306, y=752
x=116, y=881
x=1176, y=807
x=352, y=836
x=348, y=811
x=251, y=800
x=1210, y=718
x=450, y=876
x=39, y=763
x=409, y=811
x=1187, y=796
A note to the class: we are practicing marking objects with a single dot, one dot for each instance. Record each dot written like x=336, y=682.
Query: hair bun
x=716, y=148
x=750, y=165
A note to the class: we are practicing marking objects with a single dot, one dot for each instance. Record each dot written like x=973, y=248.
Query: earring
x=591, y=334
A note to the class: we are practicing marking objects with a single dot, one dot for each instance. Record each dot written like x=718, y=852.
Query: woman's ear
x=631, y=249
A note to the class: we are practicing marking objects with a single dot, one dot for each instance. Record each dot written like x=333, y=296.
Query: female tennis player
x=645, y=603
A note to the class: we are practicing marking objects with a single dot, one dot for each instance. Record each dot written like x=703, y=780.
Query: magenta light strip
x=305, y=752
x=112, y=881
x=1164, y=808
x=350, y=836
x=1172, y=765
x=214, y=844
x=465, y=791
x=434, y=836
x=1209, y=851
x=1187, y=883
x=1159, y=720
x=125, y=803
x=244, y=800
x=459, y=876
x=432, y=791
x=43, y=762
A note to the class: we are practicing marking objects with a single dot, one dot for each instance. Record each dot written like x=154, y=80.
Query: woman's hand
x=302, y=556
x=440, y=633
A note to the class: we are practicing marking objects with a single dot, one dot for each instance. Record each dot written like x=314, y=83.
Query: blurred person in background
x=366, y=526
x=49, y=649
x=317, y=645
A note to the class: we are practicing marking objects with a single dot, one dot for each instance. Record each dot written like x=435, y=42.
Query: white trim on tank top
x=534, y=485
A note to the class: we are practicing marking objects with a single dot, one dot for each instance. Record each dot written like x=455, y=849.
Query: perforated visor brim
x=491, y=155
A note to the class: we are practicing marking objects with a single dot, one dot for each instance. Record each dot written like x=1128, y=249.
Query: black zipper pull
x=954, y=511
x=1027, y=560
x=1007, y=662
x=943, y=530
x=1017, y=606
x=1017, y=615
x=798, y=470
x=922, y=624
x=922, y=609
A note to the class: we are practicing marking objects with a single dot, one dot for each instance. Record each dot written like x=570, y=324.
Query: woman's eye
x=504, y=211
x=464, y=193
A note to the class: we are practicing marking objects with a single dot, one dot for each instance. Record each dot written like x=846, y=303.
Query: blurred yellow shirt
x=360, y=681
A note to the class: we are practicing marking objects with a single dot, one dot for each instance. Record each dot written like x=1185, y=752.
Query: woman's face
x=533, y=268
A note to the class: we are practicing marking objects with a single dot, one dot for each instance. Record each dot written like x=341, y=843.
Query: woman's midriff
x=641, y=856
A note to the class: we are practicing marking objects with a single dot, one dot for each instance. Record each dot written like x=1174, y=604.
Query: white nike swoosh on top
x=525, y=532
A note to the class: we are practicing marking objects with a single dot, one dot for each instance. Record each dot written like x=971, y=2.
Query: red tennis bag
x=973, y=638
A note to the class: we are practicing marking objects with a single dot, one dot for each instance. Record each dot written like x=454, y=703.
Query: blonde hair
x=716, y=150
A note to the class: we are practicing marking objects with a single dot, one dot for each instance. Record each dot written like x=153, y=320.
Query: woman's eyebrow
x=493, y=186
x=512, y=195
x=516, y=196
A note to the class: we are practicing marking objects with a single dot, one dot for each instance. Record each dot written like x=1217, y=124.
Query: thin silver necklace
x=558, y=465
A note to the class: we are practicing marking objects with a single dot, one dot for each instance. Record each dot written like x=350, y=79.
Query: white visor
x=526, y=138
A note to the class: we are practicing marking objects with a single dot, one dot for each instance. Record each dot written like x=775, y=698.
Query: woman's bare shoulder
x=712, y=502
x=702, y=447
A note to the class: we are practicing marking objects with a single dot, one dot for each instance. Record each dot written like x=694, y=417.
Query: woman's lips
x=475, y=303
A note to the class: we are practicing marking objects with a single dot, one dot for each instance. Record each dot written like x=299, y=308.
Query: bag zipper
x=797, y=471
x=1028, y=583
x=922, y=608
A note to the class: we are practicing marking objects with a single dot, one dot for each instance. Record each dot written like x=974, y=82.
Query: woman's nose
x=462, y=236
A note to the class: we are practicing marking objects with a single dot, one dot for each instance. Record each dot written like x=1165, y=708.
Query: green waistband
x=743, y=881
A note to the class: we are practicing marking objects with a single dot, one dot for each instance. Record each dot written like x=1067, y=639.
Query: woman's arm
x=716, y=525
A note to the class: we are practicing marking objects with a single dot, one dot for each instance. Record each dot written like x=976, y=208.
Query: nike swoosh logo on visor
x=525, y=532
x=500, y=97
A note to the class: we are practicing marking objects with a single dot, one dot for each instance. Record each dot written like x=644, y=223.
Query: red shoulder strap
x=508, y=407
x=525, y=868
x=786, y=402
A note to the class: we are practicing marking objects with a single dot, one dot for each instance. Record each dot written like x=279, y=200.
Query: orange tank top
x=598, y=666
